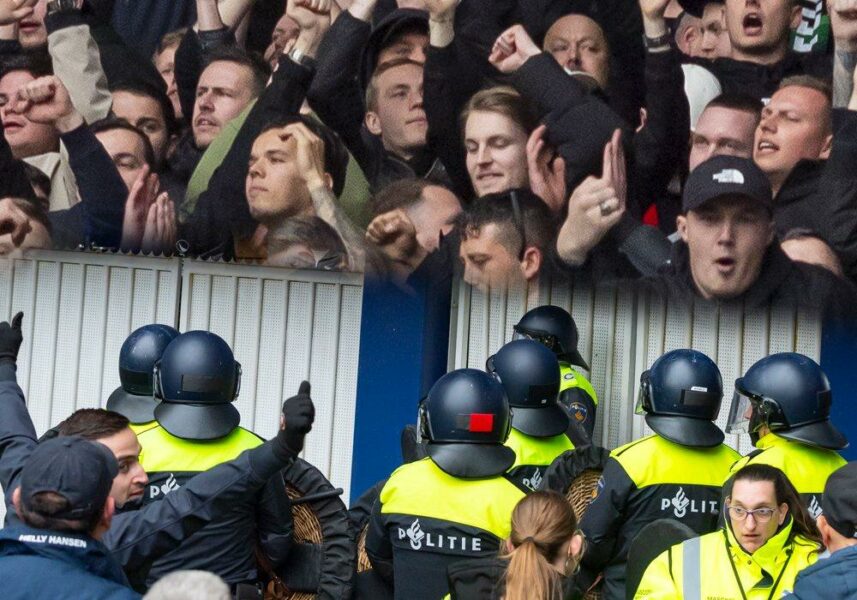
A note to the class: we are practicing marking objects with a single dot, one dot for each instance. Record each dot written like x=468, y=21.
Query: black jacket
x=781, y=283
x=97, y=218
x=477, y=579
x=136, y=538
x=822, y=195
x=336, y=96
x=580, y=124
x=761, y=81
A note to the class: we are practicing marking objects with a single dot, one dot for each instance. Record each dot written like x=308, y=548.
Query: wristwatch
x=658, y=42
x=55, y=6
x=297, y=55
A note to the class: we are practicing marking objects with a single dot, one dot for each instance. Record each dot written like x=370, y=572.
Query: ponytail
x=542, y=523
x=530, y=575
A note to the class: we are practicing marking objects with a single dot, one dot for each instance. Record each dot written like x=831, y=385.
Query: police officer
x=783, y=402
x=767, y=538
x=555, y=328
x=529, y=373
x=134, y=398
x=455, y=503
x=676, y=473
x=197, y=379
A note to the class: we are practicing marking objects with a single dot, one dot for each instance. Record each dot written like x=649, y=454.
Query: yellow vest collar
x=770, y=441
x=771, y=555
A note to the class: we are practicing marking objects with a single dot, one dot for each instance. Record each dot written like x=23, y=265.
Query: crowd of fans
x=518, y=140
x=696, y=150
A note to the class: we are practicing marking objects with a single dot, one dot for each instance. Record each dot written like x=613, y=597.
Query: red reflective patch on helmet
x=481, y=423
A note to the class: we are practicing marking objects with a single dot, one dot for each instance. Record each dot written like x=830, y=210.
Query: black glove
x=298, y=416
x=10, y=339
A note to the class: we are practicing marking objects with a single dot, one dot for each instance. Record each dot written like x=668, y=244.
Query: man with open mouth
x=759, y=34
x=728, y=252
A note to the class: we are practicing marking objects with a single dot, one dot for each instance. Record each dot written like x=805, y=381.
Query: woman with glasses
x=767, y=539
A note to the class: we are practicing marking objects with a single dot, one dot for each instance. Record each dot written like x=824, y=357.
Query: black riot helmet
x=553, y=327
x=466, y=419
x=197, y=379
x=790, y=394
x=135, y=398
x=529, y=373
x=680, y=395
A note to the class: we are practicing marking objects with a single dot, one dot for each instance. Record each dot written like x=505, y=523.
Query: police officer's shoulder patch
x=599, y=487
x=578, y=411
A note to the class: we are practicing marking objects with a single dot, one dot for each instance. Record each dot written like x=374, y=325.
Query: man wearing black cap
x=455, y=503
x=65, y=508
x=138, y=537
x=675, y=474
x=728, y=251
x=835, y=576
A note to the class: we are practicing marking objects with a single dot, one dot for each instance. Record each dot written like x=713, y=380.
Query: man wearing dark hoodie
x=808, y=153
x=728, y=254
x=379, y=112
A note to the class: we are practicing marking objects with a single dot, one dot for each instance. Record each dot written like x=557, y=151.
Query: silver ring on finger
x=605, y=207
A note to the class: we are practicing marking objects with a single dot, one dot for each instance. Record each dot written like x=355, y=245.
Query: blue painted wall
x=839, y=361
x=404, y=340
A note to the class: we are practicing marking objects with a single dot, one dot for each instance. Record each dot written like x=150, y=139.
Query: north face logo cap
x=726, y=177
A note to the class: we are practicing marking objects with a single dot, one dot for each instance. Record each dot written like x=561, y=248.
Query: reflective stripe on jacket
x=702, y=568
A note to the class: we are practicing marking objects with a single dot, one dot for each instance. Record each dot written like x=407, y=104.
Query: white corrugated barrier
x=287, y=325
x=620, y=337
x=284, y=326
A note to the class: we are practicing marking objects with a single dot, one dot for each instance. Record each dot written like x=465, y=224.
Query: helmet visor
x=642, y=406
x=638, y=409
x=740, y=413
x=546, y=339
